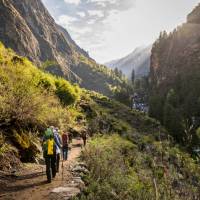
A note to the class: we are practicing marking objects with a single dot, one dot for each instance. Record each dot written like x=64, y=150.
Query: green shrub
x=66, y=92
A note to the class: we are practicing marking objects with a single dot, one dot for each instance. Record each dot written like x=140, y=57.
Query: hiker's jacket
x=58, y=142
x=65, y=140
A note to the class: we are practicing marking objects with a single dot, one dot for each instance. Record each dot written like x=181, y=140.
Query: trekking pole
x=42, y=171
x=62, y=169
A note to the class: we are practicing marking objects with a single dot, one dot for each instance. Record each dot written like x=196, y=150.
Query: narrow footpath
x=31, y=182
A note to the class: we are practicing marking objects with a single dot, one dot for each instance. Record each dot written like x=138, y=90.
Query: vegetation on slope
x=99, y=78
x=133, y=157
x=124, y=169
x=30, y=100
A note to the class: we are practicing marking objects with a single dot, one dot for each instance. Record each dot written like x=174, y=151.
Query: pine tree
x=116, y=71
x=133, y=76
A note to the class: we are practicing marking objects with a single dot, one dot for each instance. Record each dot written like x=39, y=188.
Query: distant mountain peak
x=139, y=60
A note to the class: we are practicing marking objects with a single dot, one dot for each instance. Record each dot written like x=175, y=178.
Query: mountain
x=27, y=27
x=174, y=79
x=139, y=60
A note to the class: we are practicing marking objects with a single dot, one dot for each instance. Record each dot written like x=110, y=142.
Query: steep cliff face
x=15, y=33
x=27, y=27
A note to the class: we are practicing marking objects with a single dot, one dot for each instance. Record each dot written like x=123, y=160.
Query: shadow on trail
x=30, y=176
x=13, y=177
x=25, y=186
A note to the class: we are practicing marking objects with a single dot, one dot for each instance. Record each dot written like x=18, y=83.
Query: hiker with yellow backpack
x=49, y=153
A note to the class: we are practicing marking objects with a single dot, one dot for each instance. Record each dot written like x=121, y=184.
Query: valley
x=140, y=115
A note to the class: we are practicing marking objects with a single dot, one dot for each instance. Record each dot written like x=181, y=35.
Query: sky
x=111, y=29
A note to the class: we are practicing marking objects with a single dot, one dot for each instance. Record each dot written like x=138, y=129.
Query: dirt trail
x=31, y=184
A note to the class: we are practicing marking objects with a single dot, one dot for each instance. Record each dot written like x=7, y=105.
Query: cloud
x=65, y=20
x=81, y=14
x=97, y=13
x=72, y=1
x=88, y=21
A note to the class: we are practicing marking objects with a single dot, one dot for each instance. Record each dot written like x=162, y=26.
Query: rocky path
x=31, y=184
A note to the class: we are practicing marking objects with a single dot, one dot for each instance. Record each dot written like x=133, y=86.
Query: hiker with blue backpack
x=58, y=144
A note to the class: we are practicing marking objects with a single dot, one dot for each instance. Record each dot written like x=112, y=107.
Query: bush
x=108, y=159
x=66, y=92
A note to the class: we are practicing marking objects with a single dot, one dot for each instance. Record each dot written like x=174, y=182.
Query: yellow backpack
x=50, y=146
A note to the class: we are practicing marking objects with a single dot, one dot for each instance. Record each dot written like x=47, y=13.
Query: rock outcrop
x=194, y=16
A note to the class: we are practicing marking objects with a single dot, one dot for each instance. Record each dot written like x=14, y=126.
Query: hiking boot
x=49, y=181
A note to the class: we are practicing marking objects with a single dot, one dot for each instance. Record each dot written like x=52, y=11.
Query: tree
x=120, y=74
x=133, y=76
x=156, y=107
x=172, y=118
x=116, y=71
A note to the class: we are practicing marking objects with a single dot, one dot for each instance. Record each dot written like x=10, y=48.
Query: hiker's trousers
x=57, y=162
x=50, y=161
x=65, y=153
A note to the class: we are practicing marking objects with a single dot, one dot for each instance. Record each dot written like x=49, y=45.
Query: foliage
x=66, y=93
x=152, y=162
x=175, y=89
x=120, y=170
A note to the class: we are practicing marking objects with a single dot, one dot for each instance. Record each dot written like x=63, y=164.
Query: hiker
x=65, y=144
x=49, y=152
x=58, y=145
x=84, y=137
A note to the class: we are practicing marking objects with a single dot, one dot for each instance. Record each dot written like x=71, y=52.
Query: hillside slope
x=139, y=60
x=133, y=157
x=27, y=27
x=174, y=77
